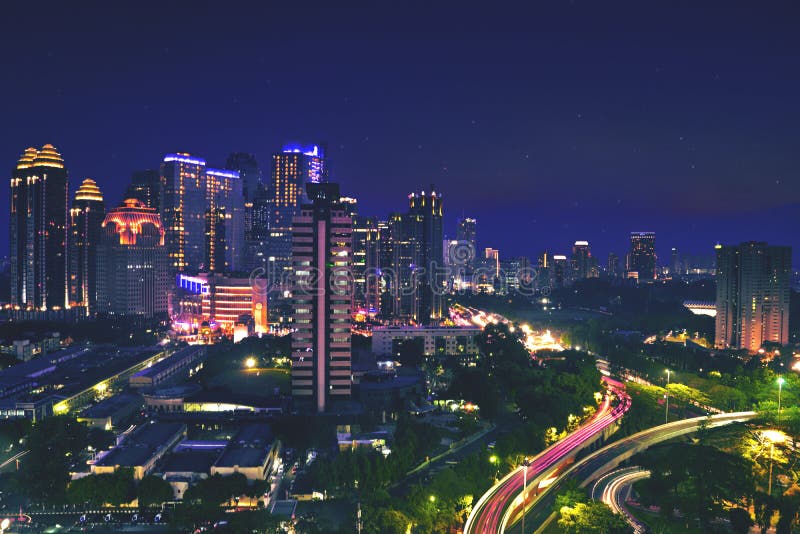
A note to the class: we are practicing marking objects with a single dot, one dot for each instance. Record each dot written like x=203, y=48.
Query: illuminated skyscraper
x=196, y=199
x=38, y=230
x=132, y=268
x=321, y=298
x=752, y=295
x=146, y=186
x=86, y=217
x=642, y=257
x=292, y=169
x=560, y=271
x=584, y=265
x=467, y=233
x=425, y=225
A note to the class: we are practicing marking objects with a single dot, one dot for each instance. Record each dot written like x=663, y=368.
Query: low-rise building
x=190, y=462
x=110, y=412
x=142, y=450
x=434, y=340
x=187, y=360
x=252, y=452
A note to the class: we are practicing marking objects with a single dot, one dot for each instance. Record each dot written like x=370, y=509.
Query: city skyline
x=587, y=164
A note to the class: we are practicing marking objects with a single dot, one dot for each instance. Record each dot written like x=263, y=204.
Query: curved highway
x=488, y=513
x=614, y=489
x=607, y=458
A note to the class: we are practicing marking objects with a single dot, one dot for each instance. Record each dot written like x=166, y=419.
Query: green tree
x=153, y=491
x=591, y=518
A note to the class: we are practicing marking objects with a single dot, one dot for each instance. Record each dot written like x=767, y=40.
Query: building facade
x=642, y=257
x=85, y=220
x=132, y=262
x=752, y=295
x=38, y=230
x=321, y=298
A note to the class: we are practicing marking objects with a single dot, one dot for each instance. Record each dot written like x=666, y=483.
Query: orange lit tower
x=38, y=230
x=133, y=264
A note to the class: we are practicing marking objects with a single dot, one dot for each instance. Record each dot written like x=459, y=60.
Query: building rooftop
x=142, y=444
x=248, y=448
x=169, y=361
x=192, y=460
x=111, y=405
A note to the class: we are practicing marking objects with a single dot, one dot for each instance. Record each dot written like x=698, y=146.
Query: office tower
x=642, y=257
x=224, y=220
x=247, y=167
x=560, y=271
x=399, y=257
x=256, y=229
x=146, y=186
x=515, y=275
x=85, y=220
x=752, y=295
x=675, y=266
x=292, y=169
x=466, y=232
x=584, y=265
x=132, y=262
x=544, y=270
x=425, y=225
x=366, y=251
x=321, y=298
x=196, y=199
x=613, y=265
x=38, y=230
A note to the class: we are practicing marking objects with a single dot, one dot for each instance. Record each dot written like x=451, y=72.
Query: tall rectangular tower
x=321, y=298
x=38, y=230
x=642, y=257
x=752, y=295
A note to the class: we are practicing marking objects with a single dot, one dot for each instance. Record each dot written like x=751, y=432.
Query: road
x=487, y=514
x=614, y=489
x=600, y=462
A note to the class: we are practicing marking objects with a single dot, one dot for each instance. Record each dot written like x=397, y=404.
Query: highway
x=600, y=462
x=614, y=489
x=488, y=513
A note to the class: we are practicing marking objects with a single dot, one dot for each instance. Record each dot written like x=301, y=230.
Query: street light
x=4, y=525
x=781, y=380
x=773, y=436
x=666, y=399
x=524, y=466
x=250, y=362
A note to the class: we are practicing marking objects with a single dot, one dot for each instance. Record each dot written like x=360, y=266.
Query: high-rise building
x=425, y=225
x=85, y=220
x=322, y=298
x=247, y=167
x=132, y=262
x=613, y=265
x=676, y=265
x=467, y=232
x=399, y=257
x=642, y=257
x=292, y=169
x=147, y=187
x=584, y=265
x=38, y=230
x=559, y=276
x=227, y=301
x=366, y=252
x=196, y=199
x=752, y=295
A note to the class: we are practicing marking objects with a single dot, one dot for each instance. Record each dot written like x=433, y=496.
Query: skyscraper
x=292, y=169
x=132, y=262
x=752, y=295
x=202, y=215
x=425, y=217
x=466, y=232
x=584, y=265
x=321, y=298
x=85, y=220
x=247, y=167
x=676, y=265
x=642, y=257
x=146, y=186
x=613, y=265
x=38, y=230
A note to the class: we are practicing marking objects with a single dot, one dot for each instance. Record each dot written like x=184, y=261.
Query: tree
x=740, y=520
x=153, y=491
x=591, y=518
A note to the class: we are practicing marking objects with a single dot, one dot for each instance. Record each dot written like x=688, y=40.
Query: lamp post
x=525, y=465
x=773, y=436
x=781, y=380
x=666, y=399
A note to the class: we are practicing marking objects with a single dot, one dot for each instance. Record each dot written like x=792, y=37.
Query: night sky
x=549, y=123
